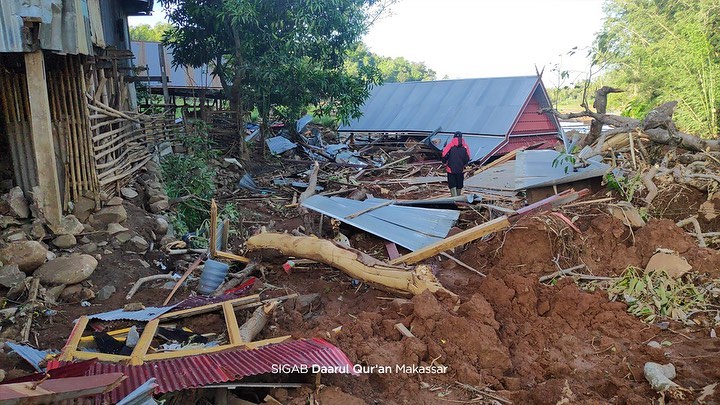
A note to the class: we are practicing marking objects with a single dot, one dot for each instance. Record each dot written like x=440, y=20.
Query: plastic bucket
x=212, y=276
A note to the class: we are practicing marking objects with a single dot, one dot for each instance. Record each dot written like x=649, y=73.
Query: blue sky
x=484, y=38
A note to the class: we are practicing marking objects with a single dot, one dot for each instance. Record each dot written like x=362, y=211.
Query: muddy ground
x=527, y=341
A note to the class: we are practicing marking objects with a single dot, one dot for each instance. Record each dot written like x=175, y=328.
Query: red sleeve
x=467, y=149
x=449, y=146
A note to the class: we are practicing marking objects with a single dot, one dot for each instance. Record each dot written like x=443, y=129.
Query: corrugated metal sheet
x=30, y=354
x=533, y=121
x=487, y=106
x=148, y=53
x=410, y=227
x=142, y=395
x=70, y=370
x=146, y=314
x=533, y=169
x=232, y=365
x=481, y=147
x=516, y=142
x=64, y=28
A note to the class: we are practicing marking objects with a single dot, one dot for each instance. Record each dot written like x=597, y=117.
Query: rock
x=115, y=228
x=6, y=221
x=83, y=208
x=15, y=203
x=137, y=244
x=27, y=254
x=105, y=293
x=84, y=240
x=10, y=275
x=37, y=230
x=53, y=294
x=115, y=201
x=36, y=196
x=88, y=228
x=157, y=198
x=134, y=306
x=89, y=248
x=64, y=241
x=76, y=293
x=674, y=265
x=144, y=263
x=15, y=237
x=115, y=213
x=154, y=191
x=161, y=225
x=69, y=225
x=128, y=193
x=123, y=237
x=67, y=270
x=159, y=206
x=307, y=302
x=627, y=213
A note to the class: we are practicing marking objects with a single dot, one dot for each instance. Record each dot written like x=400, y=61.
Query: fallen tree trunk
x=352, y=262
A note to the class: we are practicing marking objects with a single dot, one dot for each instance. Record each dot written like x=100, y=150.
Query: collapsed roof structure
x=497, y=115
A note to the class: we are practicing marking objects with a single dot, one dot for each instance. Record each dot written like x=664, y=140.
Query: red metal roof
x=533, y=122
x=516, y=142
x=231, y=365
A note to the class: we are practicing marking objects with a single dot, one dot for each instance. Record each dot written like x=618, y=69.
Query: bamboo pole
x=27, y=136
x=71, y=139
x=88, y=137
x=84, y=163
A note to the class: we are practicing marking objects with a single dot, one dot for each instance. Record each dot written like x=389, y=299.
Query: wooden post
x=163, y=74
x=42, y=136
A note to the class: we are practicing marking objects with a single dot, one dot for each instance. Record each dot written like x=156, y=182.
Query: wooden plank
x=185, y=275
x=112, y=358
x=143, y=344
x=230, y=256
x=392, y=250
x=370, y=209
x=207, y=350
x=461, y=238
x=404, y=330
x=42, y=136
x=71, y=345
x=231, y=323
x=209, y=307
x=212, y=244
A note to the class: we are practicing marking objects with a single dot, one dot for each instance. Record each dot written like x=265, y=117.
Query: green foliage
x=624, y=186
x=663, y=50
x=654, y=295
x=145, y=32
x=565, y=160
x=277, y=55
x=393, y=70
x=190, y=175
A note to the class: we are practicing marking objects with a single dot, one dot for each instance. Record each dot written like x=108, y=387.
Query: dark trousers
x=455, y=180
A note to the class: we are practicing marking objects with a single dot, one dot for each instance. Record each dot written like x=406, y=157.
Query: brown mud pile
x=530, y=342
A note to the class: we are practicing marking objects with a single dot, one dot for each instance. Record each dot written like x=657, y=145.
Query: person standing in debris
x=456, y=155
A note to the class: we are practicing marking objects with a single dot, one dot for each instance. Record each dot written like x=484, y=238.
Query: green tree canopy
x=146, y=32
x=393, y=70
x=277, y=55
x=663, y=50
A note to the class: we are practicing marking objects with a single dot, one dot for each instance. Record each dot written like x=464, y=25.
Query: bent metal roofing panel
x=486, y=106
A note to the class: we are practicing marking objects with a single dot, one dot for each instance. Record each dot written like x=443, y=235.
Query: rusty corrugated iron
x=232, y=365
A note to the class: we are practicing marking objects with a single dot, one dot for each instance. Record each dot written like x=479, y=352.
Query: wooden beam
x=230, y=256
x=231, y=323
x=209, y=307
x=370, y=209
x=143, y=344
x=75, y=336
x=42, y=136
x=461, y=238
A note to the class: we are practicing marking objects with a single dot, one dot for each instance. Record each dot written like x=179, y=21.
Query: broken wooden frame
x=140, y=353
x=489, y=227
x=212, y=245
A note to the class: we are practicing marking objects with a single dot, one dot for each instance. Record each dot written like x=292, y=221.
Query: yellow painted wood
x=114, y=358
x=74, y=340
x=143, y=344
x=210, y=307
x=461, y=238
x=231, y=323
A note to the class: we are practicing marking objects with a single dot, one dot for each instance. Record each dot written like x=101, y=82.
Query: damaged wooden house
x=68, y=122
x=496, y=115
